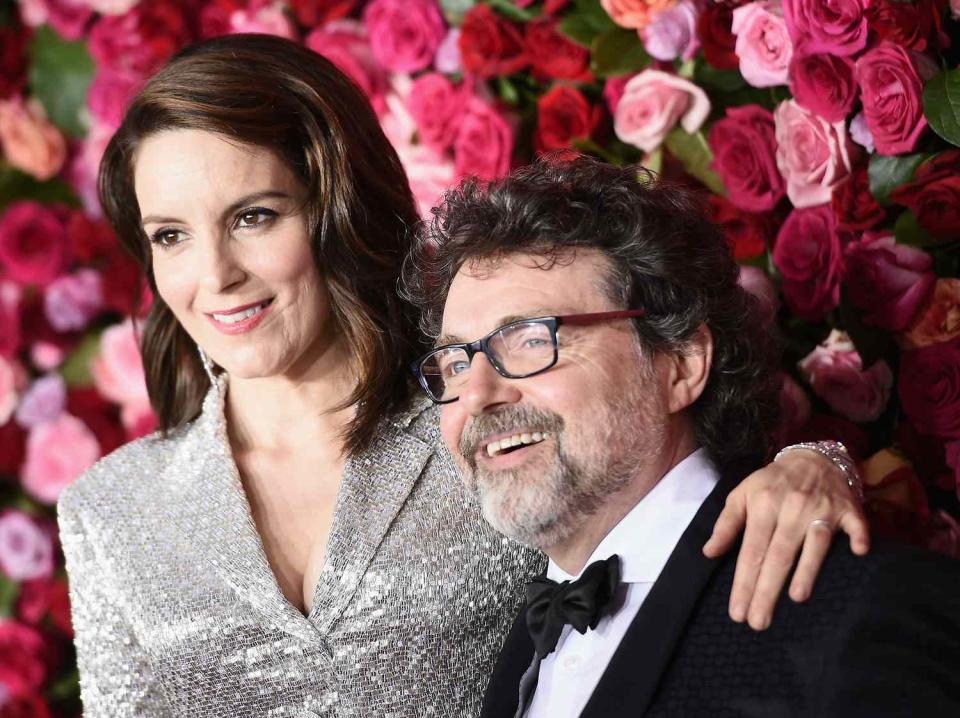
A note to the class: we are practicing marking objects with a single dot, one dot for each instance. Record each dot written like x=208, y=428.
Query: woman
x=294, y=541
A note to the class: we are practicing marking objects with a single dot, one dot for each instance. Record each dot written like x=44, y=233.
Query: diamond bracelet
x=838, y=455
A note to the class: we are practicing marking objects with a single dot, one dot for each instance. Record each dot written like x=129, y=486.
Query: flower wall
x=824, y=137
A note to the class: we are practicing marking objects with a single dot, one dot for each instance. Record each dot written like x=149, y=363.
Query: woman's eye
x=166, y=238
x=254, y=217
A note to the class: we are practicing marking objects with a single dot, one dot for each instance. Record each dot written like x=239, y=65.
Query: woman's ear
x=689, y=371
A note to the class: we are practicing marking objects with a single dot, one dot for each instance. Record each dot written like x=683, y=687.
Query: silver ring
x=820, y=522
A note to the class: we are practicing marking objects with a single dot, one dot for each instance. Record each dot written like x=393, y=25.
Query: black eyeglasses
x=516, y=350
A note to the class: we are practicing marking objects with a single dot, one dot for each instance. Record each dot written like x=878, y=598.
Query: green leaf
x=60, y=75
x=871, y=342
x=508, y=9
x=76, y=367
x=9, y=590
x=695, y=155
x=617, y=52
x=710, y=78
x=888, y=173
x=654, y=161
x=587, y=20
x=507, y=91
x=941, y=105
x=907, y=230
x=454, y=10
x=15, y=185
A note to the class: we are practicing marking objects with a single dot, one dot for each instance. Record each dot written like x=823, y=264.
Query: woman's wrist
x=837, y=454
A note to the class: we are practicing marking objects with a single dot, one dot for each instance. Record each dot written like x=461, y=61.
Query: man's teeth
x=240, y=316
x=496, y=447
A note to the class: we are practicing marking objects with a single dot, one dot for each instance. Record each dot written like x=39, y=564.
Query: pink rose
x=110, y=93
x=10, y=295
x=836, y=375
x=763, y=44
x=111, y=7
x=118, y=369
x=57, y=453
x=757, y=282
x=72, y=300
x=29, y=141
x=345, y=44
x=448, y=59
x=26, y=551
x=955, y=9
x=652, y=104
x=142, y=39
x=9, y=394
x=44, y=401
x=437, y=106
x=81, y=173
x=46, y=356
x=673, y=33
x=744, y=148
x=891, y=87
x=795, y=408
x=266, y=20
x=824, y=84
x=890, y=282
x=613, y=90
x=68, y=17
x=838, y=27
x=25, y=658
x=483, y=146
x=404, y=34
x=635, y=14
x=33, y=242
x=860, y=132
x=807, y=253
x=813, y=155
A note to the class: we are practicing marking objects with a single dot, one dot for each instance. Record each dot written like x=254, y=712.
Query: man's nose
x=485, y=388
x=219, y=266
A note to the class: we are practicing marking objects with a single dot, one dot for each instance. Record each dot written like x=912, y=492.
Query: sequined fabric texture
x=177, y=613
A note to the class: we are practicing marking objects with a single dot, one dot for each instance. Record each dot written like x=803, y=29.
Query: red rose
x=10, y=337
x=713, y=29
x=13, y=442
x=44, y=597
x=141, y=39
x=311, y=13
x=807, y=253
x=101, y=417
x=25, y=657
x=747, y=233
x=33, y=242
x=854, y=205
x=215, y=16
x=934, y=195
x=24, y=704
x=553, y=55
x=90, y=239
x=888, y=281
x=13, y=60
x=124, y=286
x=930, y=388
x=824, y=84
x=491, y=45
x=563, y=115
x=744, y=155
x=916, y=25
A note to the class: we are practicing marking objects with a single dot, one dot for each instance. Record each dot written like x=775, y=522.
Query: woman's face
x=231, y=251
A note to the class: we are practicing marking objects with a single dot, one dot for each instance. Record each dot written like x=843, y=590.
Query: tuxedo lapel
x=631, y=679
x=514, y=676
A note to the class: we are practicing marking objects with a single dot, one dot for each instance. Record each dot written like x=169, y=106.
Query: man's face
x=585, y=426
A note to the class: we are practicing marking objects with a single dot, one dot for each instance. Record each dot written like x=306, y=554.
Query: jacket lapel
x=631, y=679
x=514, y=676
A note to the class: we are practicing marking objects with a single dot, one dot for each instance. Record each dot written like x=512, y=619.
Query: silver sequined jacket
x=177, y=612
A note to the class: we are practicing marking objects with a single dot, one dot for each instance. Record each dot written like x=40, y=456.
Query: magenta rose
x=757, y=282
x=813, y=155
x=57, y=453
x=437, y=106
x=10, y=337
x=26, y=550
x=141, y=39
x=744, y=155
x=483, y=146
x=763, y=43
x=345, y=44
x=930, y=388
x=110, y=93
x=33, y=242
x=824, y=84
x=807, y=253
x=68, y=17
x=838, y=27
x=891, y=88
x=795, y=408
x=266, y=20
x=836, y=374
x=652, y=104
x=890, y=282
x=25, y=658
x=404, y=34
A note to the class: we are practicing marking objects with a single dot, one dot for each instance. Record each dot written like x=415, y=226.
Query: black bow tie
x=581, y=603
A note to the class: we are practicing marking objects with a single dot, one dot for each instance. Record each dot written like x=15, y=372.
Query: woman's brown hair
x=270, y=92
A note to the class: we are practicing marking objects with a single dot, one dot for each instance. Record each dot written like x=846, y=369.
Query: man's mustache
x=505, y=420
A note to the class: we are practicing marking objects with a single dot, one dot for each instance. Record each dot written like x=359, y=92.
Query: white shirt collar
x=645, y=537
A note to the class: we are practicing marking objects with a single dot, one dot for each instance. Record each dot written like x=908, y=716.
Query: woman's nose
x=219, y=267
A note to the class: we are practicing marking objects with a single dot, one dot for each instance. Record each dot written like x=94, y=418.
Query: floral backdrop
x=824, y=135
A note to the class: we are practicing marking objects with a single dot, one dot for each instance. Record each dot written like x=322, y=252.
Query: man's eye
x=456, y=367
x=534, y=343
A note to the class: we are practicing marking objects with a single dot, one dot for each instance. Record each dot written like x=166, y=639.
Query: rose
x=673, y=33
x=483, y=146
x=763, y=44
x=491, y=45
x=447, y=59
x=747, y=234
x=652, y=104
x=795, y=408
x=345, y=44
x=26, y=551
x=714, y=31
x=552, y=55
x=12, y=447
x=140, y=40
x=835, y=28
x=934, y=195
x=860, y=133
x=57, y=453
x=68, y=17
x=854, y=205
x=267, y=20
x=563, y=116
x=756, y=281
x=744, y=155
x=72, y=300
x=836, y=374
x=110, y=93
x=914, y=25
x=404, y=34
x=944, y=534
x=25, y=659
x=437, y=106
x=813, y=155
x=429, y=174
x=807, y=253
x=111, y=7
x=10, y=295
x=896, y=502
x=955, y=9
x=29, y=140
x=10, y=378
x=314, y=13
x=117, y=370
x=23, y=704
x=613, y=90
x=930, y=388
x=43, y=401
x=939, y=320
x=634, y=14
x=891, y=87
x=824, y=84
x=33, y=242
x=43, y=597
x=888, y=281
x=13, y=59
x=99, y=415
x=215, y=16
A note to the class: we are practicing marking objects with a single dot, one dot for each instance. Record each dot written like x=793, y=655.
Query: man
x=605, y=383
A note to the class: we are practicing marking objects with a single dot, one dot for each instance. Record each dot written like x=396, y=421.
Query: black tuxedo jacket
x=879, y=637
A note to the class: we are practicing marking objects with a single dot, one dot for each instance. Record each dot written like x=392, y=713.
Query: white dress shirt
x=644, y=540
